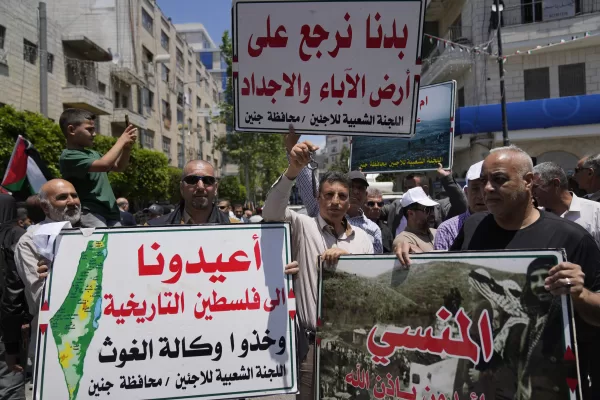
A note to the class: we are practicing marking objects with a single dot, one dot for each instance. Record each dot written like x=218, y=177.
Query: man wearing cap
x=418, y=210
x=154, y=211
x=358, y=195
x=448, y=230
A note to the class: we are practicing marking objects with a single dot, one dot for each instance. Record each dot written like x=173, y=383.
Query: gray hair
x=549, y=171
x=374, y=192
x=593, y=162
x=43, y=196
x=519, y=152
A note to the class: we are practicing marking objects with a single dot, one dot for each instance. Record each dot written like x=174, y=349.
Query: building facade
x=551, y=50
x=120, y=60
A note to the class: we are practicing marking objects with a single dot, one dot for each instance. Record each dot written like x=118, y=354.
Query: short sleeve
x=75, y=163
x=587, y=256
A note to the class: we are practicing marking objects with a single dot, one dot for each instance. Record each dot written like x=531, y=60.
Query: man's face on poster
x=536, y=282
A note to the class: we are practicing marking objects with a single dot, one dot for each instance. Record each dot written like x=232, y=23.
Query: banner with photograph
x=460, y=326
x=327, y=67
x=432, y=144
x=173, y=312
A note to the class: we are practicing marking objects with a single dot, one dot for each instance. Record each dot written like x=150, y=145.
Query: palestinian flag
x=25, y=171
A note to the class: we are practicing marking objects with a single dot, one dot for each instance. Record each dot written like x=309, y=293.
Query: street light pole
x=501, y=70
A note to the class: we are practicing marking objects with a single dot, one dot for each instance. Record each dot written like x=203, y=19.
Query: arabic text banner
x=432, y=144
x=460, y=326
x=330, y=67
x=178, y=312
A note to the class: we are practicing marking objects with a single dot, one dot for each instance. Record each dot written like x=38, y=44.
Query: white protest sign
x=175, y=312
x=327, y=67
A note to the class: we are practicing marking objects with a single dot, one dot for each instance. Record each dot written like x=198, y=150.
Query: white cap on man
x=474, y=172
x=417, y=195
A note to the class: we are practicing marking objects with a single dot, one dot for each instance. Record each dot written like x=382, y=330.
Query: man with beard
x=198, y=189
x=418, y=209
x=541, y=367
x=60, y=202
x=514, y=223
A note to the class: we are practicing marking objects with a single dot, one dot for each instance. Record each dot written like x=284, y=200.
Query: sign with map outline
x=168, y=312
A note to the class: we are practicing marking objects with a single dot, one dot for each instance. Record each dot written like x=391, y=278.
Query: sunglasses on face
x=426, y=210
x=372, y=203
x=194, y=179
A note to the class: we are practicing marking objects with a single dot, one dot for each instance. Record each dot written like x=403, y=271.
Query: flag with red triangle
x=25, y=169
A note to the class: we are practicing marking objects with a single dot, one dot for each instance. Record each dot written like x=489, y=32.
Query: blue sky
x=215, y=15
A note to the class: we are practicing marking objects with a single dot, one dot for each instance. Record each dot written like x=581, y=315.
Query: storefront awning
x=533, y=114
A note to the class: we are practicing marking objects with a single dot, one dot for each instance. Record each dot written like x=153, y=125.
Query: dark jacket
x=176, y=217
x=14, y=311
x=454, y=205
x=127, y=218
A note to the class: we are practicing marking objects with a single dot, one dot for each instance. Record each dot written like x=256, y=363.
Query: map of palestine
x=75, y=322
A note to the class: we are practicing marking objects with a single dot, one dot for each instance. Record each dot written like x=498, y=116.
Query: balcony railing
x=529, y=11
x=82, y=73
x=456, y=34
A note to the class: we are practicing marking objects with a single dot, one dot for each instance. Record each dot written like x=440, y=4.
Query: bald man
x=514, y=223
x=198, y=189
x=60, y=202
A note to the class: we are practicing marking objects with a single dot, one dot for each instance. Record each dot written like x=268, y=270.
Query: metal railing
x=81, y=73
x=528, y=11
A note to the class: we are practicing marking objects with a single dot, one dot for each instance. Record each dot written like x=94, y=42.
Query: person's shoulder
x=360, y=233
x=569, y=228
x=478, y=218
x=447, y=224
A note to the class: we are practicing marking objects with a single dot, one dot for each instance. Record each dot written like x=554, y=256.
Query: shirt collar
x=186, y=219
x=324, y=226
x=575, y=205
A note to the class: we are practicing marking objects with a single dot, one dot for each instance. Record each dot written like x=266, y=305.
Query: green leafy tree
x=342, y=163
x=386, y=178
x=173, y=183
x=260, y=156
x=231, y=188
x=43, y=134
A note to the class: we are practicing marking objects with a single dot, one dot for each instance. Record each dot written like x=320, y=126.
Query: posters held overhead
x=455, y=326
x=433, y=142
x=330, y=67
x=167, y=313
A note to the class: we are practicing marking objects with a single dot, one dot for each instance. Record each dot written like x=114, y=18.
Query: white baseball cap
x=417, y=195
x=474, y=172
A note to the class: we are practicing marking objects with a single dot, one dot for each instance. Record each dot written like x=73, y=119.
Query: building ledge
x=135, y=119
x=86, y=47
x=86, y=99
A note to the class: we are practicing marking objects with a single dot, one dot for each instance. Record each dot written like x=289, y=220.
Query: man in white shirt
x=587, y=175
x=550, y=188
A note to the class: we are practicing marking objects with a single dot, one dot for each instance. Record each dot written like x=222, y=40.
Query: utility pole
x=43, y=60
x=501, y=70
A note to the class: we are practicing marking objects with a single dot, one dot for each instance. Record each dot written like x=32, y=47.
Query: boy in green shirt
x=87, y=169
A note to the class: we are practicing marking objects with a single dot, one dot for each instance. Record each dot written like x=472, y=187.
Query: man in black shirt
x=514, y=223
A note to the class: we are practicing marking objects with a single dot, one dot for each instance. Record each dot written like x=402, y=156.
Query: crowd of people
x=507, y=204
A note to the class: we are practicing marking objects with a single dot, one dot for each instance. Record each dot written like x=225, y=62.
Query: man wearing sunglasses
x=372, y=209
x=418, y=209
x=198, y=189
x=587, y=175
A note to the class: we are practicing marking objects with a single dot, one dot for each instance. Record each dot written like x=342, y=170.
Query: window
x=101, y=88
x=164, y=40
x=207, y=125
x=537, y=83
x=2, y=36
x=140, y=100
x=50, y=62
x=571, y=80
x=147, y=22
x=147, y=55
x=148, y=98
x=124, y=101
x=148, y=140
x=206, y=58
x=179, y=116
x=165, y=23
x=164, y=73
x=198, y=77
x=345, y=140
x=198, y=102
x=189, y=125
x=461, y=97
x=29, y=52
x=166, y=110
x=215, y=96
x=334, y=150
x=179, y=59
x=188, y=101
x=179, y=155
x=116, y=99
x=189, y=68
x=208, y=158
x=216, y=163
x=166, y=147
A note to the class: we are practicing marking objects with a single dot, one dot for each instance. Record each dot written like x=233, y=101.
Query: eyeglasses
x=222, y=207
x=372, y=203
x=426, y=210
x=194, y=179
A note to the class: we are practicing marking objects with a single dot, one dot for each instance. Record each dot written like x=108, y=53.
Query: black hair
x=333, y=177
x=75, y=117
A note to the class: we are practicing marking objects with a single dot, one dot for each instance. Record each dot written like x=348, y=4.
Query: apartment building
x=333, y=150
x=120, y=60
x=552, y=75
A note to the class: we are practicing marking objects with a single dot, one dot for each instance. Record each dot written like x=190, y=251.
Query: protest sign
x=329, y=67
x=432, y=144
x=177, y=312
x=473, y=325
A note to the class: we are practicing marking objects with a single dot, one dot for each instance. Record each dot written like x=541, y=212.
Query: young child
x=87, y=169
